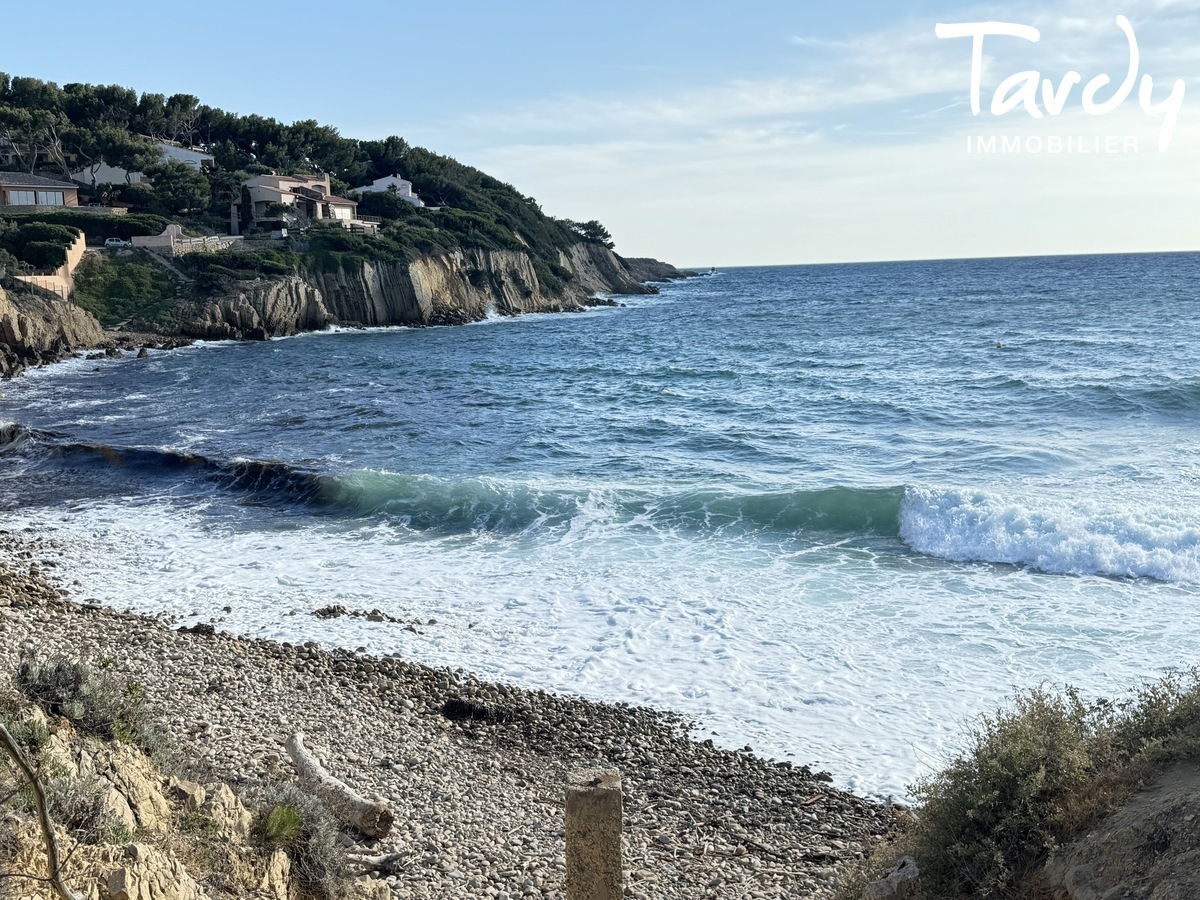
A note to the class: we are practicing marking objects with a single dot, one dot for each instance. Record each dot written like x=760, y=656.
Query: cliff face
x=279, y=306
x=35, y=331
x=598, y=270
x=449, y=289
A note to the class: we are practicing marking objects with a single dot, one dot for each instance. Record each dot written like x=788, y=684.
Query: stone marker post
x=594, y=836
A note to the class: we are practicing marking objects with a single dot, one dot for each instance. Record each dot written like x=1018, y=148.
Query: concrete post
x=594, y=836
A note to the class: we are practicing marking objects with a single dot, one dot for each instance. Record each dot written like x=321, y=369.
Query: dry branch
x=372, y=818
x=39, y=801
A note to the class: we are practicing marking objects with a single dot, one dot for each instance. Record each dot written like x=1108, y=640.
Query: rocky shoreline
x=447, y=289
x=475, y=772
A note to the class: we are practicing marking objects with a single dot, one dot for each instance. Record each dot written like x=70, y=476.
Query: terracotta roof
x=334, y=199
x=21, y=179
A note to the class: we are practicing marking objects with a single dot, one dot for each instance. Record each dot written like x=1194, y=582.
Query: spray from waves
x=14, y=436
x=1052, y=537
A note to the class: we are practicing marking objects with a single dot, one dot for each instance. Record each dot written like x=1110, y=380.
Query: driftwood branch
x=372, y=818
x=39, y=801
x=386, y=863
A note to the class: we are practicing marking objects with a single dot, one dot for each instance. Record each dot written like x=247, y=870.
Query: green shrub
x=296, y=823
x=46, y=231
x=115, y=289
x=283, y=826
x=1037, y=774
x=43, y=254
x=999, y=807
x=79, y=804
x=97, y=701
x=97, y=228
x=31, y=735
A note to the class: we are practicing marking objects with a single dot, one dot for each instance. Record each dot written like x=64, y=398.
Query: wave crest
x=1058, y=538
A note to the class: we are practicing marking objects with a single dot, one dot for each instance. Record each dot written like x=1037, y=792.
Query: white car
x=115, y=243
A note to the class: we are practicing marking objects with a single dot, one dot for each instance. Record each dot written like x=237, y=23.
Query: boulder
x=898, y=882
x=147, y=873
x=226, y=811
x=134, y=792
x=189, y=795
x=276, y=882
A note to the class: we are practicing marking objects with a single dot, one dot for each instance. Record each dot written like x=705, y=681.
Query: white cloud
x=860, y=153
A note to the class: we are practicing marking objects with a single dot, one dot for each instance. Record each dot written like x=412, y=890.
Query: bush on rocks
x=94, y=698
x=1033, y=777
x=296, y=823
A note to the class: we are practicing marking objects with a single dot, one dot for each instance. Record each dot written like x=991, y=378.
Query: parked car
x=115, y=243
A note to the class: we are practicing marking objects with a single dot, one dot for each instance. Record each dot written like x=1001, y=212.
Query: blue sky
x=702, y=132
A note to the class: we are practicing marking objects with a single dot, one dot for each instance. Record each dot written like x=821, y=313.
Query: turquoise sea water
x=831, y=511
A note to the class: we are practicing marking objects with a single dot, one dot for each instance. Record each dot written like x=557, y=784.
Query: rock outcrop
x=446, y=289
x=598, y=270
x=126, y=832
x=36, y=330
x=258, y=310
x=1147, y=849
x=645, y=269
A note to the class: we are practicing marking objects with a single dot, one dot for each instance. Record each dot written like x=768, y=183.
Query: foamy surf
x=1058, y=537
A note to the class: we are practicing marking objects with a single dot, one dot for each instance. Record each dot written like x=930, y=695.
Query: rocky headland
x=646, y=269
x=446, y=289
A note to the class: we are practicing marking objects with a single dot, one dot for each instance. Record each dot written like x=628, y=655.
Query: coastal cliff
x=34, y=331
x=446, y=289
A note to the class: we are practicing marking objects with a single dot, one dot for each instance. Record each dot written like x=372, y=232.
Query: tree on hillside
x=384, y=157
x=95, y=147
x=178, y=187
x=592, y=231
x=150, y=118
x=102, y=105
x=181, y=115
x=34, y=136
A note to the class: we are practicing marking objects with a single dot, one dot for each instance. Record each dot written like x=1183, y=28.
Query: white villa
x=309, y=195
x=106, y=174
x=392, y=184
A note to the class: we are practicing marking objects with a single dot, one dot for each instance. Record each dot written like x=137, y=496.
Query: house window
x=50, y=198
x=21, y=198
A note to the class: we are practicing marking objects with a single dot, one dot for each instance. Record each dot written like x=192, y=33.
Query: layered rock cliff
x=451, y=288
x=34, y=330
x=448, y=289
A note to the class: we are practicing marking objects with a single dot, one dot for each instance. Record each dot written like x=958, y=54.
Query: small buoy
x=999, y=345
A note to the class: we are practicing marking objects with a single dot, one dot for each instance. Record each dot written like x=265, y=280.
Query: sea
x=833, y=513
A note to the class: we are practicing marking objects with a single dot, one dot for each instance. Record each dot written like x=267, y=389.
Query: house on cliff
x=392, y=184
x=308, y=196
x=102, y=173
x=18, y=189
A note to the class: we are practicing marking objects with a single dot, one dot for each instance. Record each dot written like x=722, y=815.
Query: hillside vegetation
x=57, y=131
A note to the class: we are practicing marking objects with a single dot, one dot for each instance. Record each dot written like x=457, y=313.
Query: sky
x=705, y=133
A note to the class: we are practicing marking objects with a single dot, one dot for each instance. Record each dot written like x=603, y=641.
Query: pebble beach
x=475, y=772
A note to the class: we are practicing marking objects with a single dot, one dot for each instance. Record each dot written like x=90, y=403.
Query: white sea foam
x=854, y=659
x=1076, y=537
